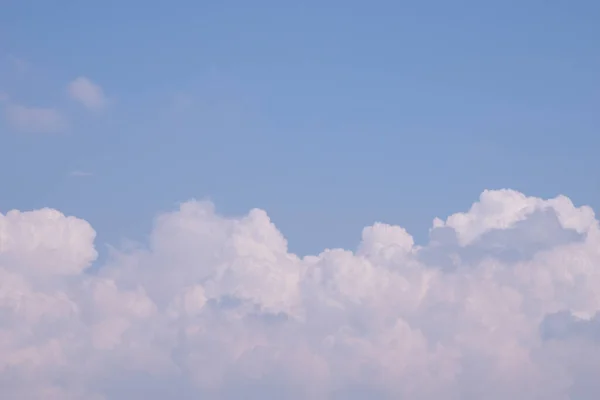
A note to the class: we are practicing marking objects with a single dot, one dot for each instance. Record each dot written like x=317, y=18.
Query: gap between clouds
x=502, y=303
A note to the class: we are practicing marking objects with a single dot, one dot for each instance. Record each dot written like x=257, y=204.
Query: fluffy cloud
x=502, y=303
x=34, y=119
x=87, y=93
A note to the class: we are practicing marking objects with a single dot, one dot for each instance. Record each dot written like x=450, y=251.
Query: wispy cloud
x=89, y=94
x=182, y=102
x=80, y=174
x=35, y=119
x=18, y=63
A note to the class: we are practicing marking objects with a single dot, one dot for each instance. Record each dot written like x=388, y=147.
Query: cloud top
x=218, y=307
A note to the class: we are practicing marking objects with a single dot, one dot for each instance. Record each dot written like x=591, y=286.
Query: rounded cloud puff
x=502, y=303
x=46, y=242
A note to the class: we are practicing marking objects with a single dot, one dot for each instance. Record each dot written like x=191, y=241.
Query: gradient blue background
x=330, y=115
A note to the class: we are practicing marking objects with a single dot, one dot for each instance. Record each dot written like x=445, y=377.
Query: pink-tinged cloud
x=500, y=304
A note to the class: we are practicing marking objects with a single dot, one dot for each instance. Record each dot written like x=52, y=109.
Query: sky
x=329, y=116
x=183, y=169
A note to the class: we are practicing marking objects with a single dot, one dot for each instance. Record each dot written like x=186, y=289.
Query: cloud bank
x=501, y=303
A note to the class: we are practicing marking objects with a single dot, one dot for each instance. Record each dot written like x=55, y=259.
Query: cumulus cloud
x=217, y=307
x=34, y=119
x=89, y=94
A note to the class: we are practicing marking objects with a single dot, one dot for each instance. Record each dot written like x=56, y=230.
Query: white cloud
x=217, y=307
x=34, y=119
x=87, y=93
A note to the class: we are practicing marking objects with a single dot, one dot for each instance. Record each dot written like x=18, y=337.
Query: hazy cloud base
x=502, y=303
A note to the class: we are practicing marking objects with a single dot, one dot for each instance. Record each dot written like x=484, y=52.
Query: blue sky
x=328, y=115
